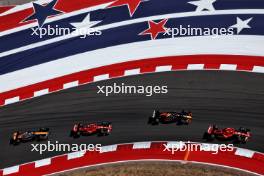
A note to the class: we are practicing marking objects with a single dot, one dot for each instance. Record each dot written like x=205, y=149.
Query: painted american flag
x=124, y=31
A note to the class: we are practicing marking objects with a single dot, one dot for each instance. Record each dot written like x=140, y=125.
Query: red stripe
x=13, y=20
x=5, y=8
x=147, y=65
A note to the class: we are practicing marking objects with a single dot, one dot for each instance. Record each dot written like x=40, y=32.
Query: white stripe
x=244, y=152
x=258, y=69
x=132, y=72
x=75, y=155
x=101, y=77
x=70, y=84
x=231, y=45
x=163, y=68
x=195, y=67
x=11, y=100
x=123, y=23
x=228, y=67
x=109, y=148
x=43, y=162
x=141, y=145
x=10, y=170
x=41, y=92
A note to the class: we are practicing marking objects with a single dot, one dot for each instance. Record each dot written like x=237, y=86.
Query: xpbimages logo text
x=60, y=147
x=60, y=31
x=183, y=30
x=197, y=147
x=123, y=88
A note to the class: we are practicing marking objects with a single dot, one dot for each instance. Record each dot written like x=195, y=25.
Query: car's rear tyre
x=14, y=142
x=238, y=139
x=208, y=137
x=241, y=139
x=75, y=134
x=184, y=121
x=103, y=132
x=155, y=121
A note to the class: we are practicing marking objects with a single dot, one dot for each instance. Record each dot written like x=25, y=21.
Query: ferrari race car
x=18, y=136
x=240, y=135
x=170, y=117
x=101, y=129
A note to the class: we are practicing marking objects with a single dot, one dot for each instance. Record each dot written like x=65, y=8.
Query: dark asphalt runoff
x=228, y=99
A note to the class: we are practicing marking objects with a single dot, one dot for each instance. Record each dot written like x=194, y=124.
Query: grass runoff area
x=154, y=168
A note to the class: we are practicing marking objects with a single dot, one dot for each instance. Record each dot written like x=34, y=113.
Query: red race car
x=101, y=129
x=240, y=135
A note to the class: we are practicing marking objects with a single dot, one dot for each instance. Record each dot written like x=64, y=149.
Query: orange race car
x=18, y=136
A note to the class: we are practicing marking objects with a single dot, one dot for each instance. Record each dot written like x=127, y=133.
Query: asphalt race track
x=228, y=99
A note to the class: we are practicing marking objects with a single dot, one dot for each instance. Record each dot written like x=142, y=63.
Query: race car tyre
x=155, y=121
x=184, y=121
x=208, y=137
x=241, y=140
x=75, y=134
x=243, y=130
x=188, y=121
x=103, y=132
x=244, y=140
x=14, y=142
x=238, y=140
